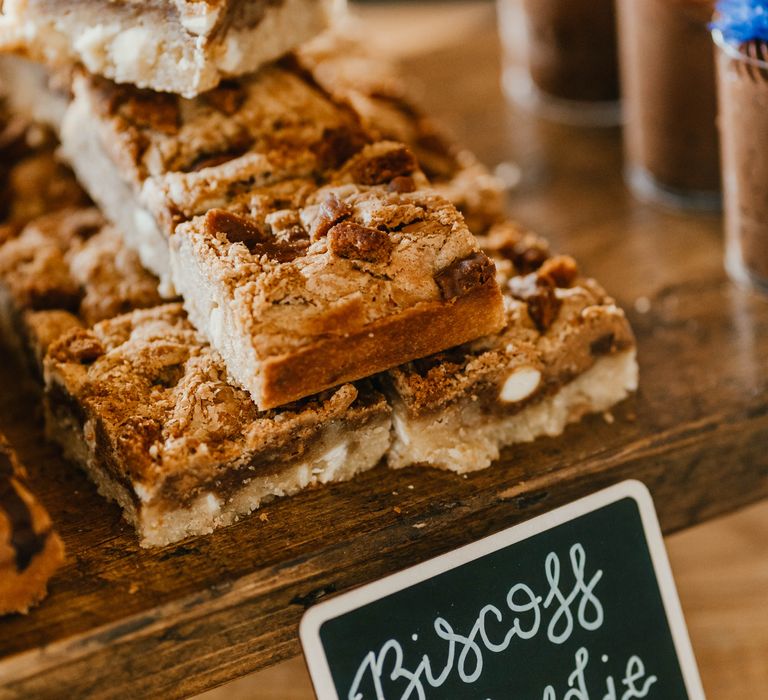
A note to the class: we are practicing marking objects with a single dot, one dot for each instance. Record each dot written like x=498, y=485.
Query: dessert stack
x=289, y=272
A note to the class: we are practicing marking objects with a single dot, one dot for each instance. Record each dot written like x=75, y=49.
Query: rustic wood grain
x=122, y=622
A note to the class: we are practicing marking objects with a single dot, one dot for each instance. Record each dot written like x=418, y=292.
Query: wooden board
x=721, y=572
x=122, y=622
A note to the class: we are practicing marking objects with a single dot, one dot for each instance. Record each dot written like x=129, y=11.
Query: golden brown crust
x=386, y=343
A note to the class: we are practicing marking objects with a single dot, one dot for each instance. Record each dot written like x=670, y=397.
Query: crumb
x=510, y=174
x=410, y=487
x=642, y=305
x=264, y=517
x=133, y=588
x=394, y=493
x=419, y=526
x=397, y=510
x=608, y=417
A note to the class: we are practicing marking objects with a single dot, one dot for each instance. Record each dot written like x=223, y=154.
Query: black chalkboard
x=578, y=604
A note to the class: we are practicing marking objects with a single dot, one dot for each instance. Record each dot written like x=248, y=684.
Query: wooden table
x=122, y=622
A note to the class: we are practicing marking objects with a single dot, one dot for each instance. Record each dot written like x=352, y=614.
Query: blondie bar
x=374, y=90
x=566, y=350
x=369, y=273
x=180, y=46
x=66, y=269
x=144, y=405
x=30, y=550
x=273, y=195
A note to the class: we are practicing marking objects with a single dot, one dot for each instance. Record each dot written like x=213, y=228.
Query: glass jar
x=742, y=77
x=670, y=103
x=567, y=69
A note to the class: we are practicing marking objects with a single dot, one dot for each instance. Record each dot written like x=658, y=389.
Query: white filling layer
x=82, y=149
x=339, y=456
x=463, y=439
x=174, y=54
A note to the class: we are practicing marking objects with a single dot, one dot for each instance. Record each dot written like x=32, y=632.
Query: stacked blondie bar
x=282, y=271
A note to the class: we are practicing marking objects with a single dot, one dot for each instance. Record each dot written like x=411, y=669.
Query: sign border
x=314, y=617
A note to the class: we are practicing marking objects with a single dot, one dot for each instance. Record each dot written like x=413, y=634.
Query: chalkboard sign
x=578, y=604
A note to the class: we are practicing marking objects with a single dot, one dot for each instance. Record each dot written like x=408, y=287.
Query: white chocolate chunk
x=198, y=19
x=520, y=384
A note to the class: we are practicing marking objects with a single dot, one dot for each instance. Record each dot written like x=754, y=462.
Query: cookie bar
x=567, y=350
x=281, y=164
x=369, y=273
x=30, y=550
x=374, y=90
x=66, y=269
x=144, y=405
x=151, y=161
x=179, y=46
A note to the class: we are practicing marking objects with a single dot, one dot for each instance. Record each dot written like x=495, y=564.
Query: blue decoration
x=742, y=20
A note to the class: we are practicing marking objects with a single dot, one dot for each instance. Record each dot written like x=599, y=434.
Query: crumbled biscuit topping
x=462, y=276
x=73, y=261
x=358, y=252
x=557, y=324
x=305, y=108
x=355, y=242
x=381, y=168
x=160, y=402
